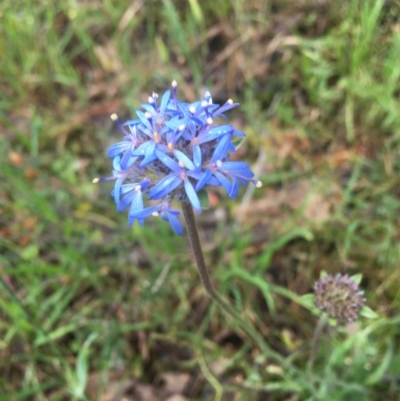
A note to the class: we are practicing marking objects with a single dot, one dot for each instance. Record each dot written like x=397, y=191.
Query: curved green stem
x=322, y=322
x=205, y=278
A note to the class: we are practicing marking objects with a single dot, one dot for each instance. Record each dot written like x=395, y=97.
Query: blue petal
x=207, y=95
x=224, y=181
x=145, y=184
x=117, y=164
x=149, y=154
x=234, y=189
x=192, y=195
x=204, y=179
x=133, y=129
x=126, y=200
x=198, y=121
x=214, y=182
x=197, y=156
x=175, y=223
x=227, y=106
x=140, y=215
x=174, y=124
x=170, y=163
x=132, y=122
x=215, y=133
x=146, y=212
x=235, y=166
x=164, y=101
x=137, y=203
x=147, y=151
x=221, y=149
x=238, y=133
x=191, y=131
x=245, y=174
x=131, y=220
x=165, y=186
x=141, y=150
x=128, y=187
x=127, y=160
x=148, y=108
x=117, y=189
x=144, y=120
x=118, y=148
x=184, y=159
x=239, y=170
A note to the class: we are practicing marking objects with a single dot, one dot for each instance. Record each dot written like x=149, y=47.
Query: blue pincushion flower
x=171, y=152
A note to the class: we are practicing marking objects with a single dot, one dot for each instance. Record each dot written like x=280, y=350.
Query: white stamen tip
x=259, y=184
x=192, y=110
x=147, y=115
x=174, y=84
x=155, y=214
x=204, y=103
x=181, y=164
x=151, y=99
x=138, y=188
x=209, y=120
x=229, y=101
x=114, y=117
x=96, y=180
x=218, y=163
x=181, y=127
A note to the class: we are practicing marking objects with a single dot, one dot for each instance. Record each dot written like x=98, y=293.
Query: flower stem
x=322, y=322
x=205, y=278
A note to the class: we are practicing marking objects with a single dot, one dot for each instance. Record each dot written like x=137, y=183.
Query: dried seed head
x=339, y=297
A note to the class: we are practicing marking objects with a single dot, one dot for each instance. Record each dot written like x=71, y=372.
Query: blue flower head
x=171, y=152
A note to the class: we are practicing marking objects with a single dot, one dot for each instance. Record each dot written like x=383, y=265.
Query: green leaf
x=82, y=365
x=196, y=10
x=307, y=300
x=357, y=278
x=204, y=200
x=238, y=142
x=376, y=376
x=30, y=252
x=367, y=312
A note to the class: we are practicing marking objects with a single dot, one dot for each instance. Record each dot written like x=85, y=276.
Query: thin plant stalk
x=205, y=278
x=322, y=322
